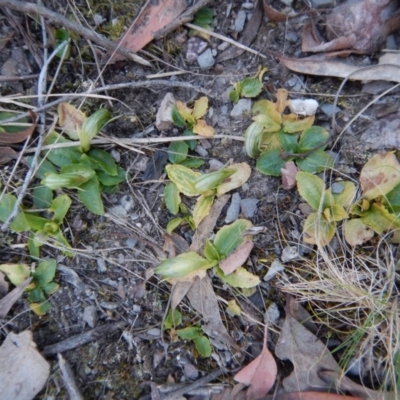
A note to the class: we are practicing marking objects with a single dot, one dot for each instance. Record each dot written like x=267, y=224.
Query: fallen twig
x=83, y=338
x=68, y=24
x=69, y=379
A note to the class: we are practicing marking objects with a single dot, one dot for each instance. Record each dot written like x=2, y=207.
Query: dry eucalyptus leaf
x=260, y=374
x=237, y=258
x=9, y=299
x=23, y=371
x=70, y=119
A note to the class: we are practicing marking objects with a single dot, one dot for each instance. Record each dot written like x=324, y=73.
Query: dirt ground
x=106, y=288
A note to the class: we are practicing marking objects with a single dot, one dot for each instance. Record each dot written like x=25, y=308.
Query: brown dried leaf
x=260, y=374
x=274, y=15
x=237, y=258
x=16, y=137
x=289, y=173
x=70, y=119
x=23, y=371
x=153, y=17
x=6, y=154
x=203, y=299
x=9, y=299
x=310, y=396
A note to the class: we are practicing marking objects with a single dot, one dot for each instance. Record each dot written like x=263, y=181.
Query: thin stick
x=226, y=39
x=131, y=85
x=34, y=9
x=29, y=174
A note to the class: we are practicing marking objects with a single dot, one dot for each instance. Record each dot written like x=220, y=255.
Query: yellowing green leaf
x=202, y=208
x=185, y=112
x=291, y=123
x=200, y=107
x=174, y=318
x=335, y=213
x=267, y=108
x=252, y=139
x=312, y=190
x=357, y=233
x=58, y=181
x=70, y=119
x=317, y=230
x=241, y=278
x=380, y=175
x=234, y=308
x=379, y=219
x=92, y=126
x=16, y=273
x=182, y=265
x=203, y=129
x=241, y=173
x=210, y=251
x=60, y=206
x=268, y=124
x=173, y=224
x=347, y=195
x=229, y=237
x=184, y=178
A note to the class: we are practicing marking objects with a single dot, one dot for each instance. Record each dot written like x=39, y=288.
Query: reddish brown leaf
x=16, y=137
x=236, y=258
x=310, y=396
x=289, y=172
x=153, y=16
x=6, y=154
x=260, y=374
x=272, y=14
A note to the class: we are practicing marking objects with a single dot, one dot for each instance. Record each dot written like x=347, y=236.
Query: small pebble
x=272, y=314
x=243, y=106
x=90, y=316
x=190, y=371
x=249, y=207
x=130, y=242
x=156, y=332
x=239, y=21
x=337, y=188
x=289, y=253
x=247, y=5
x=206, y=60
x=116, y=155
x=196, y=46
x=275, y=267
x=234, y=209
x=201, y=151
x=328, y=110
x=223, y=46
x=101, y=266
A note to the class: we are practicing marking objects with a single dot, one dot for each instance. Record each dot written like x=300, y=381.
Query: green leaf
x=269, y=109
x=45, y=167
x=240, y=174
x=312, y=138
x=61, y=156
x=292, y=124
x=11, y=128
x=62, y=244
x=212, y=180
x=317, y=161
x=210, y=251
x=234, y=95
x=335, y=212
x=35, y=222
x=108, y=180
x=42, y=197
x=177, y=118
x=192, y=162
x=50, y=288
x=90, y=196
x=7, y=204
x=105, y=161
x=202, y=208
x=379, y=219
x=182, y=265
x=288, y=141
x=191, y=143
x=60, y=207
x=177, y=152
x=61, y=36
x=392, y=200
x=16, y=273
x=347, y=195
x=173, y=224
x=189, y=333
x=184, y=178
x=317, y=230
x=203, y=346
x=251, y=87
x=78, y=169
x=240, y=278
x=33, y=247
x=20, y=223
x=231, y=236
x=312, y=190
x=270, y=162
x=36, y=295
x=172, y=198
x=51, y=228
x=45, y=273
x=268, y=124
x=204, y=16
x=173, y=319
x=92, y=126
x=200, y=108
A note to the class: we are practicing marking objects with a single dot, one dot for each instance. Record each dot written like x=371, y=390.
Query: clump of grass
x=355, y=293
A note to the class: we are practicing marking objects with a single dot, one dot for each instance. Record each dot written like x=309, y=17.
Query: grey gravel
x=206, y=60
x=329, y=110
x=131, y=242
x=275, y=267
x=156, y=332
x=101, y=266
x=249, y=207
x=289, y=253
x=234, y=209
x=272, y=314
x=90, y=316
x=242, y=107
x=239, y=21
